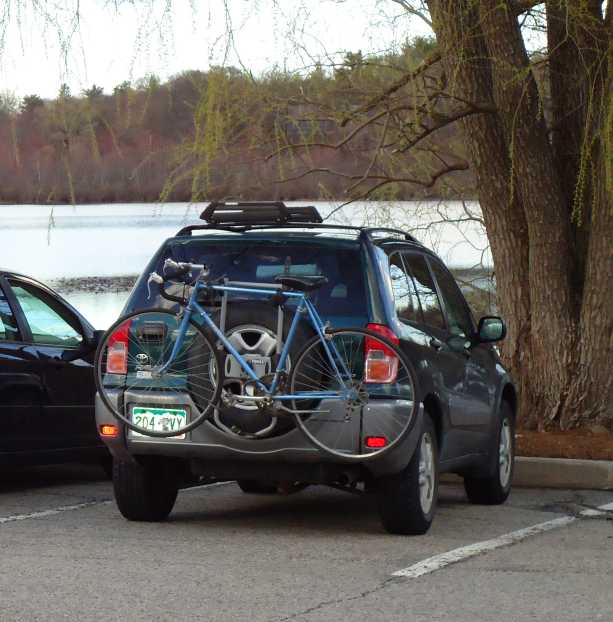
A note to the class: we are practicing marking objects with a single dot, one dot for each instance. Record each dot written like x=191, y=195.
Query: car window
x=47, y=326
x=458, y=316
x=426, y=290
x=8, y=324
x=405, y=298
x=260, y=261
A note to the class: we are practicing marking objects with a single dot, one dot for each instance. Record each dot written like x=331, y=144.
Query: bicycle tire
x=167, y=322
x=406, y=379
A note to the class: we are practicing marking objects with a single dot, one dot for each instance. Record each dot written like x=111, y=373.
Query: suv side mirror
x=491, y=328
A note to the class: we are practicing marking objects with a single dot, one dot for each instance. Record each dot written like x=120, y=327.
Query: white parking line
x=43, y=513
x=80, y=506
x=600, y=511
x=201, y=486
x=432, y=564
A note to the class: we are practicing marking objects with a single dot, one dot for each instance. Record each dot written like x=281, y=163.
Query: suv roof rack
x=258, y=213
x=242, y=216
x=369, y=232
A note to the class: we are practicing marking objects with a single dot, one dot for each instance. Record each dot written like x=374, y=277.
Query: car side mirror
x=91, y=341
x=491, y=329
x=96, y=338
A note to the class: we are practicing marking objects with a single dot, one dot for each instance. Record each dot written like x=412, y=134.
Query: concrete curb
x=563, y=473
x=558, y=473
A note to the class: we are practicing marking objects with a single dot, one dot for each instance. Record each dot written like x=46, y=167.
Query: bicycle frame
x=304, y=306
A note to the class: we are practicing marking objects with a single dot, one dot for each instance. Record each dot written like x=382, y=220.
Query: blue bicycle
x=351, y=391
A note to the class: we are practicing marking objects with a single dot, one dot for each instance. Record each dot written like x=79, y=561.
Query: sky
x=118, y=40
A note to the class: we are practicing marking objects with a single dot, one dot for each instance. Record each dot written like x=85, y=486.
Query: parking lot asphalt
x=67, y=554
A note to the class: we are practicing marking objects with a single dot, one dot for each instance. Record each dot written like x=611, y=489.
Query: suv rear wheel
x=146, y=489
x=494, y=488
x=255, y=487
x=407, y=500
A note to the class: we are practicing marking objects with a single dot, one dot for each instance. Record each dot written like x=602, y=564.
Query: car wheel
x=407, y=500
x=145, y=490
x=106, y=464
x=253, y=487
x=496, y=486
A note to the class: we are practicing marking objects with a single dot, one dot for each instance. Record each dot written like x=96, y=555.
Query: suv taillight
x=380, y=362
x=117, y=350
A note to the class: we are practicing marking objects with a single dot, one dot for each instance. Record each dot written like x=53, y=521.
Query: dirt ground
x=571, y=444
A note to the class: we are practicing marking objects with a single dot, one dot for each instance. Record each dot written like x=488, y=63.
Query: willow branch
x=395, y=86
x=382, y=179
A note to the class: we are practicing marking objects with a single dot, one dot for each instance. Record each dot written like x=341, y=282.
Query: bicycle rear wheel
x=132, y=385
x=379, y=385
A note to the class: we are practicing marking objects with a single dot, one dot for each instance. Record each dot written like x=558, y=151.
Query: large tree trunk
x=555, y=276
x=465, y=62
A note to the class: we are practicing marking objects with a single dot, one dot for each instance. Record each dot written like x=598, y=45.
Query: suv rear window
x=260, y=261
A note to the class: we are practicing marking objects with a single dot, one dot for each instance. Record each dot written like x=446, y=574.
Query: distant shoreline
x=94, y=284
x=106, y=284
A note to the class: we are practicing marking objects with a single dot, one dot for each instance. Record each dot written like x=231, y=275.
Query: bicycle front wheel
x=143, y=388
x=356, y=394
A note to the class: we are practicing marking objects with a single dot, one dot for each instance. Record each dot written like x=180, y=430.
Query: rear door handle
x=436, y=344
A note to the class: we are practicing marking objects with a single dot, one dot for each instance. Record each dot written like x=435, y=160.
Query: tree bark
x=535, y=178
x=575, y=41
x=592, y=390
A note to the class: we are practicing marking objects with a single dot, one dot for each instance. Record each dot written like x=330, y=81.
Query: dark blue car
x=381, y=279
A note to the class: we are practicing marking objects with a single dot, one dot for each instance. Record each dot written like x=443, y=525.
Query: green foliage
x=30, y=102
x=93, y=92
x=64, y=92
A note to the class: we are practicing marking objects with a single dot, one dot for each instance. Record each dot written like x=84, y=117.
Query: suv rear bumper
x=208, y=443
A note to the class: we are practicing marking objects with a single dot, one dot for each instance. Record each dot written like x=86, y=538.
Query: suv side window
x=426, y=290
x=458, y=316
x=8, y=324
x=405, y=298
x=47, y=326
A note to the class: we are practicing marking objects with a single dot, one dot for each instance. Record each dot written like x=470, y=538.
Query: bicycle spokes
x=361, y=412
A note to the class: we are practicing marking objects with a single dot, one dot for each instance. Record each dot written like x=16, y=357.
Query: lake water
x=64, y=241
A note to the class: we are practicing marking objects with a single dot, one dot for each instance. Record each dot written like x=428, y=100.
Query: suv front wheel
x=494, y=488
x=145, y=489
x=407, y=500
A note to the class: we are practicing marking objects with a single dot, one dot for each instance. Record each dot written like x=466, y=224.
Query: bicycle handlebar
x=178, y=269
x=175, y=270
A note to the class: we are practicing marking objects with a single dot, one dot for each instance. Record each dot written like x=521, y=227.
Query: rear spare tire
x=251, y=327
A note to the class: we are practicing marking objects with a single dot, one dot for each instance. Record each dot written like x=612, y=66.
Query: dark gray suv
x=381, y=279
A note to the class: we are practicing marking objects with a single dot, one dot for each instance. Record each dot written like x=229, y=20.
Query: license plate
x=158, y=420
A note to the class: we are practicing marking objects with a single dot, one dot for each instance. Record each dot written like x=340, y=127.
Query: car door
x=20, y=385
x=420, y=333
x=64, y=365
x=478, y=362
x=447, y=366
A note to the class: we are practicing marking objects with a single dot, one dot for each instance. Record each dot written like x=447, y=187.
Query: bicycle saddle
x=301, y=284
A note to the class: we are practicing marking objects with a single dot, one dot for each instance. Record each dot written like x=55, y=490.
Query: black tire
x=200, y=378
x=254, y=487
x=494, y=488
x=145, y=490
x=247, y=318
x=106, y=464
x=400, y=496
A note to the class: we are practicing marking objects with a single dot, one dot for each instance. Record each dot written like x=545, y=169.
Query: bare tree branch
x=521, y=6
x=411, y=10
x=403, y=81
x=382, y=179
